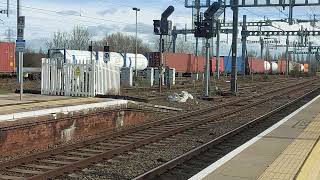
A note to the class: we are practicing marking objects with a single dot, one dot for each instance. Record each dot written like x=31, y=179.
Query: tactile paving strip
x=288, y=164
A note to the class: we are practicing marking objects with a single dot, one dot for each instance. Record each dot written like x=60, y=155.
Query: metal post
x=135, y=64
x=161, y=64
x=235, y=9
x=294, y=52
x=244, y=45
x=20, y=55
x=197, y=4
x=290, y=12
x=91, y=52
x=287, y=56
x=207, y=70
x=218, y=50
x=309, y=58
x=174, y=42
x=136, y=51
x=21, y=73
x=267, y=55
x=8, y=7
x=261, y=47
x=17, y=54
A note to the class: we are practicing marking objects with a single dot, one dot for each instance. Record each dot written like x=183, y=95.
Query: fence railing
x=70, y=79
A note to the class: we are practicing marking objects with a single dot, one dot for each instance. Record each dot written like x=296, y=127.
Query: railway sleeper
x=11, y=177
x=40, y=166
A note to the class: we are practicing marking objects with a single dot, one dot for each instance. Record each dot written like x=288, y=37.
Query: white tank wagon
x=115, y=59
x=302, y=68
x=266, y=66
x=274, y=67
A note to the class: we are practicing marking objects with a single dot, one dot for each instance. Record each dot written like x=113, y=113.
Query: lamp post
x=135, y=64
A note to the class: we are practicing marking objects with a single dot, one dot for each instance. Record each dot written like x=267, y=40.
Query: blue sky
x=44, y=17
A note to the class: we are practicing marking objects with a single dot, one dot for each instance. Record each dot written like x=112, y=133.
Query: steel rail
x=139, y=128
x=199, y=150
x=109, y=154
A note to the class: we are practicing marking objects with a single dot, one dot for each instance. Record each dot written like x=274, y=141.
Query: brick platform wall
x=65, y=130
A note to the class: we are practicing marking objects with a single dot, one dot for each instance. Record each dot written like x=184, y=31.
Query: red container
x=181, y=62
x=213, y=65
x=256, y=65
x=184, y=63
x=281, y=66
x=199, y=64
x=306, y=68
x=7, y=57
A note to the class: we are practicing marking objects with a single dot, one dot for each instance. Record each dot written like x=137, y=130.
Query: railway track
x=192, y=162
x=70, y=158
x=222, y=86
x=191, y=86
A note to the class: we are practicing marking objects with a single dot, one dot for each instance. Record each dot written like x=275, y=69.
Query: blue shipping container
x=228, y=63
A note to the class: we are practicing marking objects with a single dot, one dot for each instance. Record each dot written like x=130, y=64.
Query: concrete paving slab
x=40, y=105
x=277, y=154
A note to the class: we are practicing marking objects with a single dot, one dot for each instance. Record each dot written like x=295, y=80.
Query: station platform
x=288, y=150
x=32, y=105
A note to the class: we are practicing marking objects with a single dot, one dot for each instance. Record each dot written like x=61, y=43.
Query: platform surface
x=11, y=107
x=288, y=150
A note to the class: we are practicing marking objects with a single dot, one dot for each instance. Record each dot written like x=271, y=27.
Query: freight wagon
x=228, y=64
x=7, y=58
x=292, y=66
x=213, y=65
x=188, y=63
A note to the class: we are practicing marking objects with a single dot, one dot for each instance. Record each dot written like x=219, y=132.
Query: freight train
x=188, y=64
x=116, y=59
x=7, y=58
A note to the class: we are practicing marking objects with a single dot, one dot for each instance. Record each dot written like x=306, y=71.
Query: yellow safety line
x=289, y=162
x=311, y=168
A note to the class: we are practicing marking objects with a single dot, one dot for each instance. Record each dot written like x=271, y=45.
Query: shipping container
x=306, y=68
x=7, y=57
x=301, y=67
x=256, y=65
x=282, y=66
x=274, y=67
x=199, y=64
x=181, y=62
x=228, y=64
x=213, y=65
x=184, y=63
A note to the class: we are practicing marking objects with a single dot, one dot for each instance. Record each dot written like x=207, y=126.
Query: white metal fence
x=79, y=79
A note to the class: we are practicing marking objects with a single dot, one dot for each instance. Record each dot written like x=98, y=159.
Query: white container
x=142, y=61
x=274, y=67
x=267, y=66
x=115, y=59
x=301, y=67
x=291, y=66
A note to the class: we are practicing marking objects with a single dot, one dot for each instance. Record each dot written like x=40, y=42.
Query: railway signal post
x=20, y=46
x=205, y=29
x=235, y=8
x=162, y=27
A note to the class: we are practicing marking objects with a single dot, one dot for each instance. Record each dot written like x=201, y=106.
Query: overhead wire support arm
x=281, y=33
x=267, y=3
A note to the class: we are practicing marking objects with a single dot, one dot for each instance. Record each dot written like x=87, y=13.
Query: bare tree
x=120, y=42
x=59, y=41
x=183, y=46
x=77, y=39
